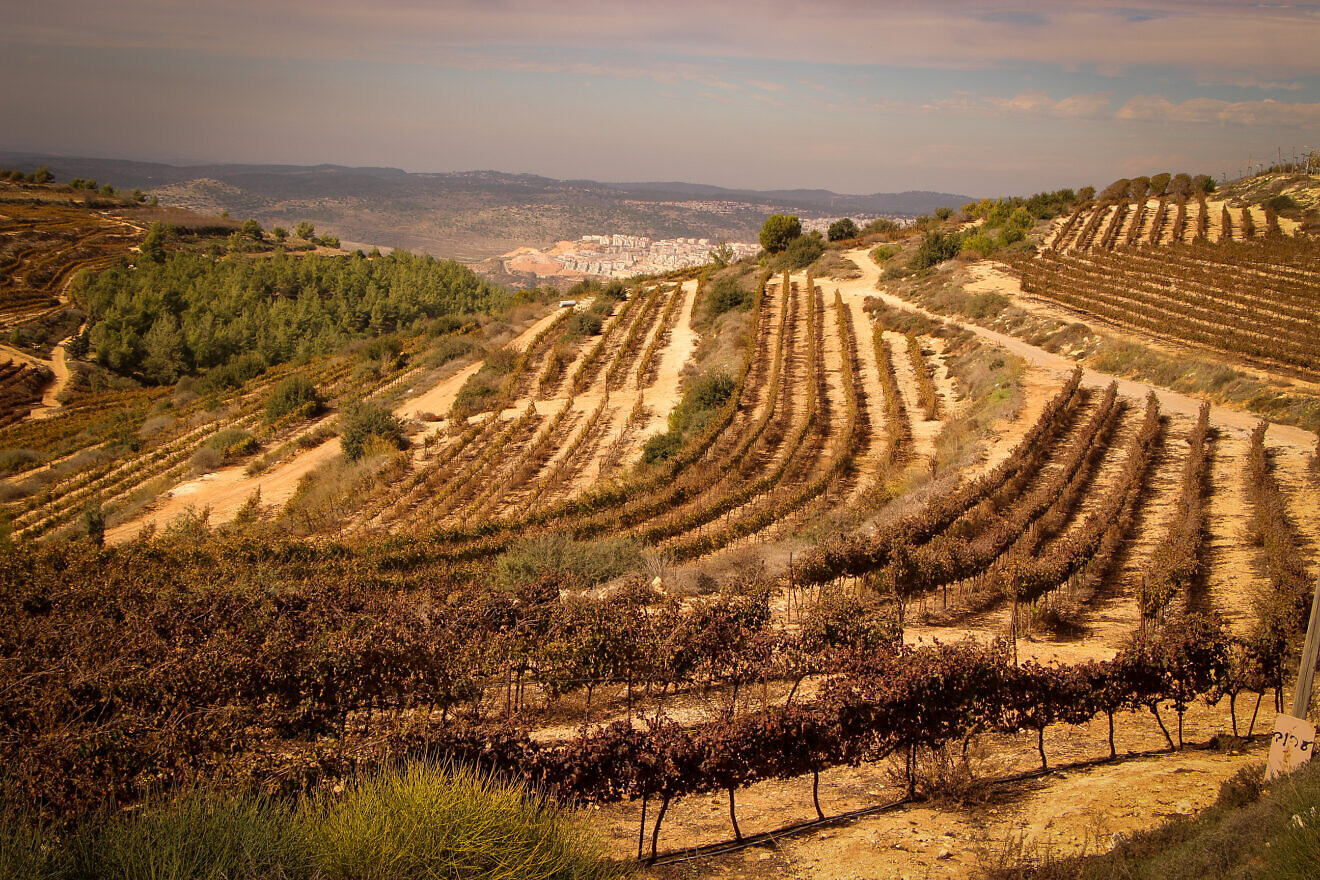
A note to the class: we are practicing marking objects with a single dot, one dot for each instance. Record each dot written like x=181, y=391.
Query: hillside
x=470, y=216
x=844, y=549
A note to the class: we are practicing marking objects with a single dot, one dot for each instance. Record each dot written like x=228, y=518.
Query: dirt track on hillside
x=224, y=491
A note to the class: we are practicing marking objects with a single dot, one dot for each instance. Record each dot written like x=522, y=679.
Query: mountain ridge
x=470, y=216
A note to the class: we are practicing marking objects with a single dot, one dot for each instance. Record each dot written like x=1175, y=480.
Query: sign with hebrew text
x=1291, y=747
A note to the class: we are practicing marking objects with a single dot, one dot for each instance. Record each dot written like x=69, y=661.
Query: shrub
x=800, y=252
x=588, y=562
x=383, y=348
x=704, y=395
x=882, y=226
x=363, y=420
x=935, y=248
x=985, y=305
x=586, y=323
x=294, y=395
x=1281, y=203
x=417, y=821
x=232, y=375
x=422, y=821
x=198, y=834
x=501, y=361
x=726, y=294
x=232, y=443
x=17, y=459
x=662, y=447
x=444, y=324
x=841, y=230
x=980, y=242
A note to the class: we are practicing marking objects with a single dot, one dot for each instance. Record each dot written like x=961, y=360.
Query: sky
x=857, y=96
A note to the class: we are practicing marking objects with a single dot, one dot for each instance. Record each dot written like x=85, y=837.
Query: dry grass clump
x=420, y=820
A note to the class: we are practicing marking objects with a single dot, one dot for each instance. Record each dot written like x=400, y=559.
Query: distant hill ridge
x=288, y=179
x=470, y=216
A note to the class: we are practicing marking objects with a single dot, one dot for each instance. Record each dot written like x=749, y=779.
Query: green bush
x=17, y=459
x=363, y=420
x=450, y=348
x=841, y=230
x=882, y=226
x=703, y=396
x=501, y=361
x=588, y=562
x=232, y=443
x=235, y=373
x=882, y=253
x=585, y=323
x=1281, y=203
x=985, y=305
x=425, y=822
x=197, y=833
x=295, y=395
x=662, y=447
x=383, y=348
x=937, y=247
x=799, y=253
x=444, y=324
x=726, y=294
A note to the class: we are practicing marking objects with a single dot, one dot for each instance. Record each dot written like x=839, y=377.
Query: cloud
x=1267, y=112
x=1268, y=42
x=1036, y=103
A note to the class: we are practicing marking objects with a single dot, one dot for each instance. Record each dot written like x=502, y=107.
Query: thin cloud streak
x=1272, y=43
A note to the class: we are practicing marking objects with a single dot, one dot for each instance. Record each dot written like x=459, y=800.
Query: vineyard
x=826, y=579
x=44, y=242
x=1232, y=280
x=1106, y=226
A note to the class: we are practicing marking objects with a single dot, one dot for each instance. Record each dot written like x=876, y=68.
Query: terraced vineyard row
x=1161, y=222
x=1255, y=302
x=20, y=390
x=43, y=244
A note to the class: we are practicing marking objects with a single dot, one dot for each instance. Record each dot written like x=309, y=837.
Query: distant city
x=622, y=256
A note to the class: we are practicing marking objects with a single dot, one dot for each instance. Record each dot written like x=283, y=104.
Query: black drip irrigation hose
x=770, y=837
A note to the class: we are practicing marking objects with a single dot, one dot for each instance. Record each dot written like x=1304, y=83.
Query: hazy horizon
x=842, y=95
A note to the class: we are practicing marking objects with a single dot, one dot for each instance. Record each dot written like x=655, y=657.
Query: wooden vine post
x=1293, y=741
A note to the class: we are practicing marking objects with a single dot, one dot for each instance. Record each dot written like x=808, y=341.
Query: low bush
x=935, y=248
x=234, y=373
x=800, y=253
x=294, y=396
x=702, y=398
x=451, y=348
x=725, y=294
x=587, y=562
x=363, y=420
x=661, y=447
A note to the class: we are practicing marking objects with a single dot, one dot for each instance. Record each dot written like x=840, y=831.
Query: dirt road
x=1170, y=401
x=224, y=491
